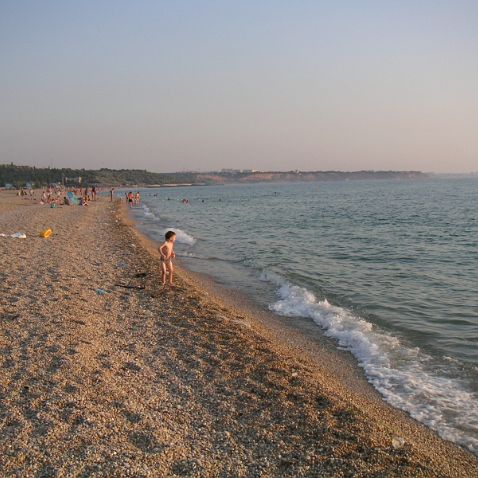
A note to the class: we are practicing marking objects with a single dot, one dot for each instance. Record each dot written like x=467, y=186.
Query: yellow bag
x=46, y=233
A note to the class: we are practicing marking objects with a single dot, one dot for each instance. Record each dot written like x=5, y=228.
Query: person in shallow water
x=167, y=256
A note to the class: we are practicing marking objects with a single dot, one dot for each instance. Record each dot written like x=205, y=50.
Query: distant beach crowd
x=55, y=196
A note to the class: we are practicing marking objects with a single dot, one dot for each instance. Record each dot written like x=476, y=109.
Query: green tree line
x=18, y=176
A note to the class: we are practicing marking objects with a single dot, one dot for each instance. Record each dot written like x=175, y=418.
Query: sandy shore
x=139, y=381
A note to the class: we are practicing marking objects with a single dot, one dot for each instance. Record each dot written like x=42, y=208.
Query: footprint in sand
x=131, y=366
x=146, y=442
x=131, y=416
x=186, y=468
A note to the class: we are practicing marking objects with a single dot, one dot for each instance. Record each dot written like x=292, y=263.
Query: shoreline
x=183, y=382
x=301, y=336
x=289, y=331
x=315, y=351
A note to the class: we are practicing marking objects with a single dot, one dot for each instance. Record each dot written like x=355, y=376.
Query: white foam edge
x=182, y=237
x=147, y=212
x=398, y=372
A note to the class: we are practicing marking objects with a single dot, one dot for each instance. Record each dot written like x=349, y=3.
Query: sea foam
x=407, y=377
x=148, y=213
x=181, y=236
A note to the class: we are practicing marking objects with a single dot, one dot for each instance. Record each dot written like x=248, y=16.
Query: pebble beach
x=104, y=373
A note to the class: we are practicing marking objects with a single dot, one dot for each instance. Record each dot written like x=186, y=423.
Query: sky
x=269, y=85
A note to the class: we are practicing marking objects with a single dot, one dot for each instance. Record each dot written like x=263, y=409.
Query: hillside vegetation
x=18, y=176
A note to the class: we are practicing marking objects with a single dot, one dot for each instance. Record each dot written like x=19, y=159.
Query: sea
x=386, y=268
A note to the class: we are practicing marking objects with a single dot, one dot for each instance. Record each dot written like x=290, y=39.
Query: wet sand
x=103, y=373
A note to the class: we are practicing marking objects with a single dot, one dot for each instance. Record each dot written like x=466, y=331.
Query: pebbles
x=150, y=383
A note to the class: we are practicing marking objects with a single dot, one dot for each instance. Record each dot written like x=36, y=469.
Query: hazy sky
x=202, y=85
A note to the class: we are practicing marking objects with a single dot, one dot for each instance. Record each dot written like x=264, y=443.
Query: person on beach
x=167, y=256
x=130, y=199
x=111, y=193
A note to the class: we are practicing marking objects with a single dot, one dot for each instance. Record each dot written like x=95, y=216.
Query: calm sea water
x=389, y=269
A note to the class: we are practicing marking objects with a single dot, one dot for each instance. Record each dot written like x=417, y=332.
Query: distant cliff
x=18, y=176
x=276, y=176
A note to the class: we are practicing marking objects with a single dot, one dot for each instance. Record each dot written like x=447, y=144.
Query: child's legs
x=171, y=270
x=163, y=272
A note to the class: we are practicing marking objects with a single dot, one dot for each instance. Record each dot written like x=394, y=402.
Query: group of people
x=54, y=196
x=26, y=193
x=133, y=199
x=85, y=196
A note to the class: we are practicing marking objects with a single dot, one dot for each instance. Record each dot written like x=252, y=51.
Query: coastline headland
x=105, y=374
x=18, y=176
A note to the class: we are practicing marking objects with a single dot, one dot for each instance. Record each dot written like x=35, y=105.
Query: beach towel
x=72, y=199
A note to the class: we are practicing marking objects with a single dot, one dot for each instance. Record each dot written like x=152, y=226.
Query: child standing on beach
x=167, y=256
